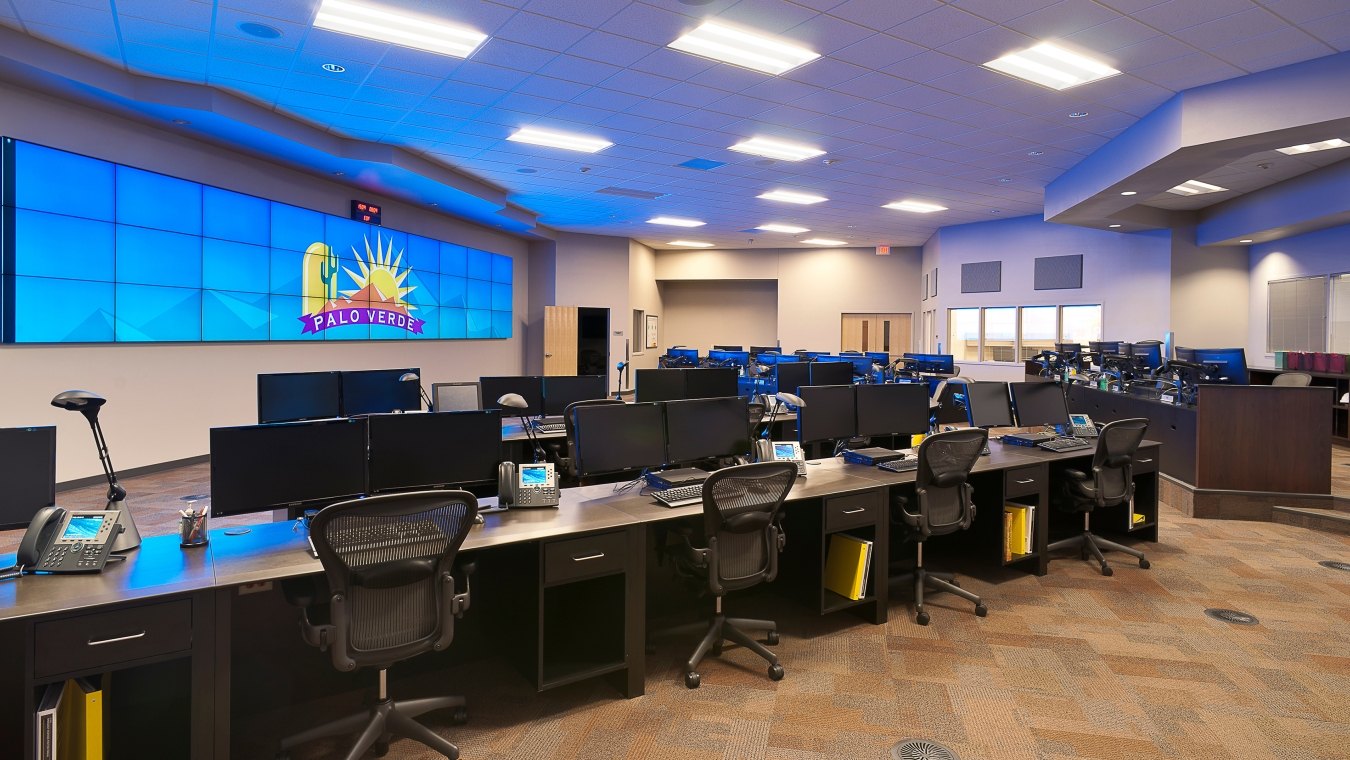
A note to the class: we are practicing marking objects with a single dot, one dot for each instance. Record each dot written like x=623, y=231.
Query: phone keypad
x=86, y=557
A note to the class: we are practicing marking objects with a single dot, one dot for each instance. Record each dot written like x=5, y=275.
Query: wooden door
x=560, y=340
x=876, y=332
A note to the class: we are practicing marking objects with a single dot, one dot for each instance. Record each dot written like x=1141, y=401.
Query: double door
x=891, y=333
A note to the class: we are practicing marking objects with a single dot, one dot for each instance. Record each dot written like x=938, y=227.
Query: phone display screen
x=1079, y=420
x=533, y=476
x=784, y=451
x=82, y=527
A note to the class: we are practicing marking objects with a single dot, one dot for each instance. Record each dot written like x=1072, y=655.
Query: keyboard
x=549, y=425
x=680, y=496
x=1066, y=444
x=908, y=464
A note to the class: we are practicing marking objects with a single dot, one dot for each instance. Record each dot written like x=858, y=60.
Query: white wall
x=1209, y=291
x=592, y=270
x=704, y=313
x=162, y=399
x=644, y=294
x=1314, y=253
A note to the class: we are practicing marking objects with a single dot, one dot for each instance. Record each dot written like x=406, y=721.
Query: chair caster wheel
x=379, y=749
x=691, y=680
x=1107, y=571
x=775, y=672
x=921, y=618
x=1143, y=564
x=771, y=638
x=459, y=716
x=981, y=610
x=716, y=650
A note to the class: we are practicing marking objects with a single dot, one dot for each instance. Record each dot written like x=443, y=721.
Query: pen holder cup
x=192, y=530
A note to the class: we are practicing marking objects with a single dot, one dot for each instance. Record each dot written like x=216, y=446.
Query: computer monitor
x=659, y=384
x=736, y=358
x=793, y=375
x=27, y=473
x=377, y=391
x=259, y=468
x=809, y=356
x=1184, y=354
x=829, y=413
x=561, y=390
x=728, y=348
x=943, y=364
x=1232, y=362
x=772, y=359
x=1104, y=346
x=618, y=437
x=294, y=396
x=880, y=357
x=1068, y=350
x=892, y=409
x=757, y=350
x=439, y=450
x=989, y=405
x=1039, y=404
x=711, y=382
x=706, y=428
x=1147, y=353
x=862, y=365
x=456, y=397
x=530, y=388
x=683, y=353
x=831, y=373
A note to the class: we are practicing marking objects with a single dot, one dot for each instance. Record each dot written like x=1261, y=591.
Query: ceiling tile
x=1179, y=14
x=1302, y=11
x=541, y=31
x=1003, y=10
x=938, y=27
x=1230, y=28
x=774, y=17
x=611, y=49
x=1062, y=19
x=513, y=55
x=882, y=14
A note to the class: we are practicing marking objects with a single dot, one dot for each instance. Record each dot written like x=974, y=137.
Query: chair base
x=1086, y=543
x=723, y=628
x=383, y=721
x=923, y=578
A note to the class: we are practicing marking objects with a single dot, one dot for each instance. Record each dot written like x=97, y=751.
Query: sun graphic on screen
x=380, y=278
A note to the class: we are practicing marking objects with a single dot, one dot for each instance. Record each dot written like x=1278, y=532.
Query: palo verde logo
x=376, y=297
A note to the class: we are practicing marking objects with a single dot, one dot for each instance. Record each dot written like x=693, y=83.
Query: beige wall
x=592, y=270
x=644, y=294
x=1209, y=292
x=704, y=313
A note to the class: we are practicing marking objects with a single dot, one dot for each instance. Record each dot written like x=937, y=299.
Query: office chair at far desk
x=740, y=519
x=1292, y=379
x=946, y=505
x=1111, y=483
x=388, y=562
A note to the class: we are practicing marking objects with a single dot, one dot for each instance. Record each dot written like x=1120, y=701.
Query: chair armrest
x=1076, y=474
x=906, y=517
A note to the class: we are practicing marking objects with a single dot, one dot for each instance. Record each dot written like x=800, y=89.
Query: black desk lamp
x=516, y=401
x=88, y=404
x=413, y=377
x=781, y=397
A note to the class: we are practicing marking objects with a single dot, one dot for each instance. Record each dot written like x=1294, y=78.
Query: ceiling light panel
x=377, y=23
x=788, y=196
x=564, y=140
x=675, y=221
x=741, y=48
x=780, y=149
x=691, y=243
x=1196, y=187
x=1051, y=66
x=1294, y=150
x=786, y=228
x=917, y=207
x=823, y=241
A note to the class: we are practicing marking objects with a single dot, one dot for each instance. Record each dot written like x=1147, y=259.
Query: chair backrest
x=946, y=498
x=740, y=511
x=1292, y=379
x=1112, y=464
x=570, y=429
x=388, y=561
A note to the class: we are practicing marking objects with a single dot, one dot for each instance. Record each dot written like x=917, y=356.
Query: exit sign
x=365, y=212
x=883, y=250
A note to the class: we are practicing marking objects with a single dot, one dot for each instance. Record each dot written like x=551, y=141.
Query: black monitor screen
x=659, y=384
x=530, y=388
x=27, y=473
x=293, y=396
x=1232, y=363
x=943, y=364
x=264, y=467
x=831, y=373
x=433, y=450
x=728, y=348
x=736, y=358
x=1104, y=346
x=713, y=382
x=828, y=414
x=764, y=349
x=706, y=428
x=377, y=391
x=880, y=357
x=559, y=391
x=989, y=405
x=1039, y=404
x=683, y=353
x=892, y=409
x=793, y=375
x=616, y=437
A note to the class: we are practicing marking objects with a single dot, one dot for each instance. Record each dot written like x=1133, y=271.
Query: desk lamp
x=781, y=398
x=413, y=377
x=88, y=404
x=516, y=401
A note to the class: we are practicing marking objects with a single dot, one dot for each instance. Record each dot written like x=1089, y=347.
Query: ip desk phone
x=1081, y=426
x=69, y=541
x=781, y=451
x=527, y=485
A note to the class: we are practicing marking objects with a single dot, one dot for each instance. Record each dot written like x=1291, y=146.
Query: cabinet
x=1340, y=385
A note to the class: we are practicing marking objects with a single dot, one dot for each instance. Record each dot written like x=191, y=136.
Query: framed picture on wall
x=650, y=339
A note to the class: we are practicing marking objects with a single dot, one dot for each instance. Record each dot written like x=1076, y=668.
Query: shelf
x=1143, y=525
x=562, y=673
x=1019, y=558
x=834, y=602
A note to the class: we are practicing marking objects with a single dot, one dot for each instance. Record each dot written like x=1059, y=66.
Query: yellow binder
x=846, y=565
x=81, y=721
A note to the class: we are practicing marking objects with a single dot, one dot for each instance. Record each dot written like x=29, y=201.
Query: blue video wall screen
x=95, y=252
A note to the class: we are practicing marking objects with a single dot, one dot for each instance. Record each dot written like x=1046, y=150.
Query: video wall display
x=96, y=252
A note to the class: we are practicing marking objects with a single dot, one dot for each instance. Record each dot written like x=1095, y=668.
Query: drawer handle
x=597, y=555
x=853, y=511
x=1143, y=461
x=1024, y=482
x=101, y=642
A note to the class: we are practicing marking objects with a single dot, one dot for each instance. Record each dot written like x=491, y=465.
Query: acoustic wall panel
x=1059, y=272
x=982, y=277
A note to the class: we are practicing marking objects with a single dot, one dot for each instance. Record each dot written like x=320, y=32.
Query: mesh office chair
x=946, y=505
x=566, y=464
x=1111, y=483
x=1292, y=379
x=740, y=519
x=388, y=561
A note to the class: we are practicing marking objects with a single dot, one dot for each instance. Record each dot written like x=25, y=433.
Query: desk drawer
x=1023, y=481
x=852, y=510
x=1145, y=461
x=103, y=639
x=587, y=557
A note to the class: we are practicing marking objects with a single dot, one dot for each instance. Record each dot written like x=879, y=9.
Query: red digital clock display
x=365, y=212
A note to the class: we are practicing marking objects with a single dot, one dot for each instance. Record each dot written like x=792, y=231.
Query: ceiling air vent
x=629, y=192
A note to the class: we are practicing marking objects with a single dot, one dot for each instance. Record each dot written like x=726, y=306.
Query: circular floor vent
x=1334, y=565
x=921, y=749
x=1232, y=616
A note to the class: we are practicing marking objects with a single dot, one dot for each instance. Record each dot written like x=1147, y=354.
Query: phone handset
x=527, y=485
x=781, y=451
x=68, y=541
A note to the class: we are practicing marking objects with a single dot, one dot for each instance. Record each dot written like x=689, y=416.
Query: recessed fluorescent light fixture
x=1196, y=187
x=787, y=196
x=1294, y=150
x=1245, y=240
x=691, y=243
x=918, y=207
x=377, y=23
x=564, y=140
x=740, y=48
x=675, y=221
x=1051, y=66
x=1129, y=192
x=780, y=149
x=1113, y=226
x=788, y=228
x=823, y=241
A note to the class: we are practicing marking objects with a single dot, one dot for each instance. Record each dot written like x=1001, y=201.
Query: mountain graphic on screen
x=367, y=296
x=376, y=299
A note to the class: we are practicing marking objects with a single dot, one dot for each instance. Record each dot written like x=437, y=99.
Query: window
x=1013, y=334
x=1038, y=330
x=1000, y=334
x=1080, y=324
x=638, y=336
x=1340, y=313
x=963, y=328
x=1297, y=314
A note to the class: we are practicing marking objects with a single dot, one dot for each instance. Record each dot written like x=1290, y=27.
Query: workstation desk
x=563, y=592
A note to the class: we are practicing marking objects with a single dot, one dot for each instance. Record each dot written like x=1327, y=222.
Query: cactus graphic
x=319, y=283
x=328, y=272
